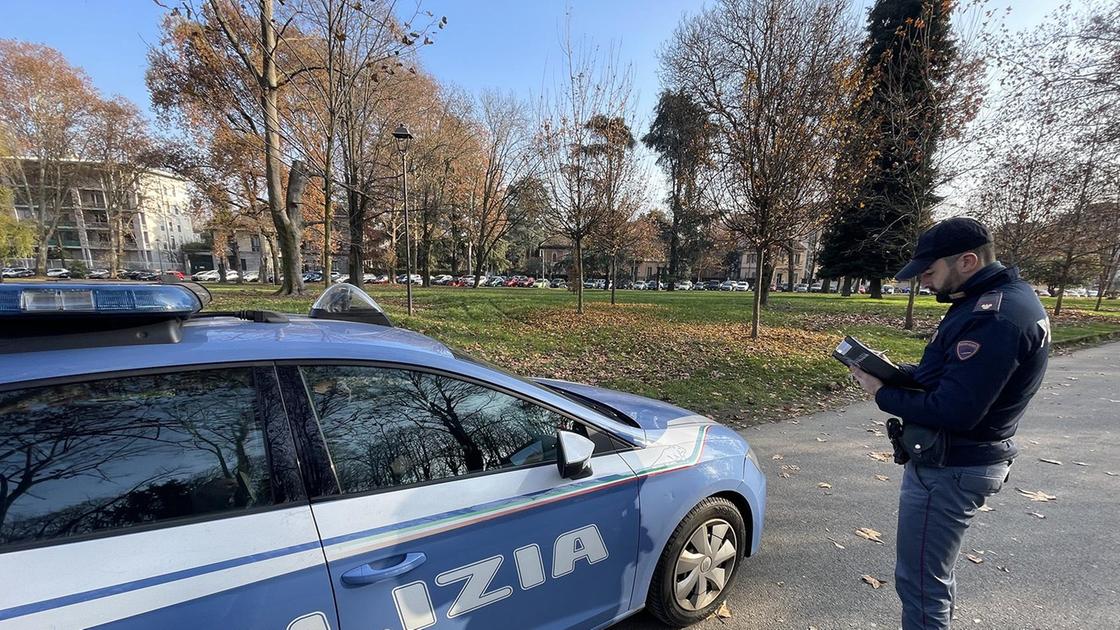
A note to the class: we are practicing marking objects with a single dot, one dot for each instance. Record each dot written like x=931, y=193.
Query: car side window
x=387, y=427
x=108, y=454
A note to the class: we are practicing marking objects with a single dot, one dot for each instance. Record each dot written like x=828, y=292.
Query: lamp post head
x=404, y=138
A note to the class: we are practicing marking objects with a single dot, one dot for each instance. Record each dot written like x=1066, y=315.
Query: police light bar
x=92, y=300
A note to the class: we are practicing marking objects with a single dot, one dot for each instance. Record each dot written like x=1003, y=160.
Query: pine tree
x=910, y=50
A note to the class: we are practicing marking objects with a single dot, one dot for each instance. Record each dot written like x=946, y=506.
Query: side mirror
x=573, y=456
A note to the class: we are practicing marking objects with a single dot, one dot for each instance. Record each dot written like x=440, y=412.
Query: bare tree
x=507, y=172
x=588, y=85
x=779, y=79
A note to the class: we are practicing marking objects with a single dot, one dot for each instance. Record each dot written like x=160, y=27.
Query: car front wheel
x=699, y=563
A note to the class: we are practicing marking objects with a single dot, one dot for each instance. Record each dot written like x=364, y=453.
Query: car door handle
x=365, y=574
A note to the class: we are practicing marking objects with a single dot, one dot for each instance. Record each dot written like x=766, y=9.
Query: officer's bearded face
x=941, y=277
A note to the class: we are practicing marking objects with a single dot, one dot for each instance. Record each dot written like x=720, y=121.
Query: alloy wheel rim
x=705, y=564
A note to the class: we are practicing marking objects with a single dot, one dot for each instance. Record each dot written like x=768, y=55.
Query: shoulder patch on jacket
x=967, y=349
x=989, y=302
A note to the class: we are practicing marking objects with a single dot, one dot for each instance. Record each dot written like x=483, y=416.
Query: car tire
x=681, y=592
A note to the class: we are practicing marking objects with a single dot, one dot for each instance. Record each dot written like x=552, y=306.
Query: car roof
x=226, y=340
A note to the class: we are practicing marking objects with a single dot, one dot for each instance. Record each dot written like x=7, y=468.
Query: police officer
x=978, y=372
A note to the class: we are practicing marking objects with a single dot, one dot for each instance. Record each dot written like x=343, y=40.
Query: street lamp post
x=404, y=138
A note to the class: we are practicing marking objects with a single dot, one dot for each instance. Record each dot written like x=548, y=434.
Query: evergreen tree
x=682, y=136
x=910, y=50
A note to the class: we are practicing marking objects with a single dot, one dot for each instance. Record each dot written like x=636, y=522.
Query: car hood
x=647, y=413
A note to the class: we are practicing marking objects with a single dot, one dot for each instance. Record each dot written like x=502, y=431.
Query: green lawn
x=692, y=349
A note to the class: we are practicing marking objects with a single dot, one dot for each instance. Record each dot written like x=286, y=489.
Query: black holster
x=894, y=434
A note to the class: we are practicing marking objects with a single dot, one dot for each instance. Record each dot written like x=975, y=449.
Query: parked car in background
x=816, y=287
x=640, y=285
x=210, y=275
x=727, y=285
x=683, y=285
x=801, y=288
x=541, y=284
x=17, y=272
x=58, y=272
x=98, y=274
x=888, y=289
x=924, y=291
x=559, y=283
x=742, y=285
x=442, y=279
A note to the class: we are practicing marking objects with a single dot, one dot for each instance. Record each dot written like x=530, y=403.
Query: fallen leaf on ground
x=881, y=457
x=824, y=485
x=1004, y=569
x=1082, y=464
x=1036, y=495
x=723, y=612
x=793, y=467
x=784, y=475
x=1110, y=474
x=821, y=440
x=974, y=559
x=882, y=477
x=873, y=581
x=778, y=456
x=869, y=534
x=986, y=508
x=1049, y=461
x=1037, y=515
x=880, y=423
x=833, y=541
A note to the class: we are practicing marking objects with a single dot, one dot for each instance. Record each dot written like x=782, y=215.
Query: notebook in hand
x=852, y=351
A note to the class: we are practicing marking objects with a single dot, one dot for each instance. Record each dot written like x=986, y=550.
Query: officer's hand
x=869, y=383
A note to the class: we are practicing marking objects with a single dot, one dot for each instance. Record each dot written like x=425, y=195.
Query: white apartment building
x=159, y=222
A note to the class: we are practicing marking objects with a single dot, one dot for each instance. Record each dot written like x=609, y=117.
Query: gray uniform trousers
x=934, y=508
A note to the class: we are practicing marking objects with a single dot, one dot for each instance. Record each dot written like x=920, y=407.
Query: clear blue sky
x=505, y=44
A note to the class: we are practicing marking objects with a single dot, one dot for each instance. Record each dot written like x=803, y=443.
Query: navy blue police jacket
x=984, y=364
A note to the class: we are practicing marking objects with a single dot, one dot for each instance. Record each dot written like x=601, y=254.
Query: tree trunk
x=578, y=241
x=613, y=278
x=1107, y=278
x=286, y=214
x=877, y=288
x=846, y=287
x=764, y=280
x=277, y=270
x=356, y=218
x=289, y=237
x=826, y=285
x=237, y=266
x=909, y=324
x=756, y=303
x=262, y=268
x=790, y=269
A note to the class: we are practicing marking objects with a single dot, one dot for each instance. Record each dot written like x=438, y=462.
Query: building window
x=255, y=243
x=92, y=198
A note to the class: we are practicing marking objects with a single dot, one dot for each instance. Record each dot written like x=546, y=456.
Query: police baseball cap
x=946, y=238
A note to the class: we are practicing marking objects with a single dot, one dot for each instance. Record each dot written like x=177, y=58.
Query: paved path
x=1061, y=571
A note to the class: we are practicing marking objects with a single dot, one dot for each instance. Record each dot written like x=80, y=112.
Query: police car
x=162, y=466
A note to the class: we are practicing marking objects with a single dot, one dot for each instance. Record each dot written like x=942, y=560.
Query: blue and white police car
x=162, y=466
